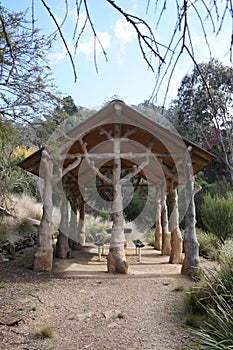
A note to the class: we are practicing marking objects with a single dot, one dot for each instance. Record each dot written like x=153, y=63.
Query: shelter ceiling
x=165, y=149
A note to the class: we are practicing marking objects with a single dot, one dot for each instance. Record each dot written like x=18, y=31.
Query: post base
x=116, y=261
x=43, y=259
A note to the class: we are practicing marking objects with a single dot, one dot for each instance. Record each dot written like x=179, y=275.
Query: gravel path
x=86, y=308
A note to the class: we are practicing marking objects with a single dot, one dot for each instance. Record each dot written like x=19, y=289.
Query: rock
x=9, y=247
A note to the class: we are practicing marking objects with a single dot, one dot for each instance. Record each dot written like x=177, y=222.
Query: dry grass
x=24, y=207
x=27, y=207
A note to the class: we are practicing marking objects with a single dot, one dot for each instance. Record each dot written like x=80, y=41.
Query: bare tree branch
x=62, y=37
x=150, y=41
x=96, y=38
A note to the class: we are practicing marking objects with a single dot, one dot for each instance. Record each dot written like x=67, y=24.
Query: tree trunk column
x=43, y=259
x=158, y=225
x=62, y=246
x=191, y=246
x=81, y=224
x=73, y=232
x=166, y=235
x=116, y=260
x=176, y=256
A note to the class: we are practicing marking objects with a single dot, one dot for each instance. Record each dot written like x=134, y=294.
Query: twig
x=37, y=297
x=62, y=37
x=12, y=323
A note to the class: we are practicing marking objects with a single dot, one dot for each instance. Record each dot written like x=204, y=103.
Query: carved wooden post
x=158, y=227
x=44, y=255
x=62, y=246
x=176, y=256
x=191, y=246
x=166, y=235
x=116, y=260
x=81, y=224
x=73, y=232
x=116, y=257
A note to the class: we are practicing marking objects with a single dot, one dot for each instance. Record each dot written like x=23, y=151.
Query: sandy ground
x=86, y=308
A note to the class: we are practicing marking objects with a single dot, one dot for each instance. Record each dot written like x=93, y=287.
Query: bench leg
x=99, y=253
x=139, y=254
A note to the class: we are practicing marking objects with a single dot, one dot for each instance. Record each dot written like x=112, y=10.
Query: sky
x=125, y=74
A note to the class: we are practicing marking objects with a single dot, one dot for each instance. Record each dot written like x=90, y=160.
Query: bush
x=96, y=228
x=217, y=215
x=208, y=244
x=216, y=301
x=105, y=215
x=151, y=238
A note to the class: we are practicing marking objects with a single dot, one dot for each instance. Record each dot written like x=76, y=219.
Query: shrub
x=195, y=301
x=96, y=227
x=151, y=238
x=217, y=215
x=217, y=331
x=27, y=207
x=105, y=215
x=208, y=244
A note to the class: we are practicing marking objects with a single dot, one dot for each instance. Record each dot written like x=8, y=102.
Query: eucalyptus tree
x=26, y=93
x=204, y=109
x=26, y=90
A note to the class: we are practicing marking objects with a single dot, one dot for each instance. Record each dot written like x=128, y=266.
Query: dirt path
x=86, y=308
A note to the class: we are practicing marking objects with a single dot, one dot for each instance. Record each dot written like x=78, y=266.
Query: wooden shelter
x=115, y=146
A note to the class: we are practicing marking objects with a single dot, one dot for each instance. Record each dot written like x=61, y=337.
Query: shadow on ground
x=85, y=263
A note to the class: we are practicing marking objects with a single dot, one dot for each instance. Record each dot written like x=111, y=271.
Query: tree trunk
x=62, y=247
x=81, y=224
x=44, y=255
x=73, y=232
x=191, y=246
x=166, y=235
x=176, y=256
x=116, y=260
x=158, y=227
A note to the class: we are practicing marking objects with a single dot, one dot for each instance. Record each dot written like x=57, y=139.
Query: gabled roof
x=168, y=151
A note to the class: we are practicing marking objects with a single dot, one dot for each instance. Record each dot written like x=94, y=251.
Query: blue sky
x=126, y=73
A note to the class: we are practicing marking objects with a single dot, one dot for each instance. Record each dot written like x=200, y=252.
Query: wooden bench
x=138, y=245
x=101, y=238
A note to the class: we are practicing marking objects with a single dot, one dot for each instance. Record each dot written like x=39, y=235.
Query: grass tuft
x=179, y=289
x=44, y=332
x=120, y=315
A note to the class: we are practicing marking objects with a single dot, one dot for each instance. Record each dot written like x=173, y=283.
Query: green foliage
x=217, y=332
x=194, y=321
x=209, y=306
x=150, y=238
x=105, y=215
x=208, y=244
x=135, y=206
x=196, y=299
x=26, y=228
x=65, y=116
x=217, y=215
x=179, y=289
x=196, y=274
x=204, y=113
